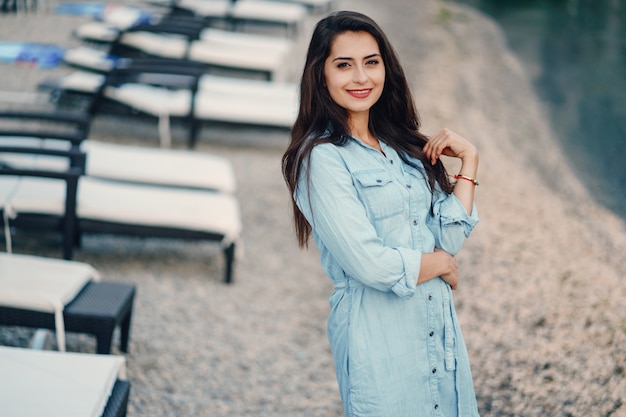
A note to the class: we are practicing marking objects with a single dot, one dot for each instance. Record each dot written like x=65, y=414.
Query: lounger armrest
x=169, y=65
x=173, y=76
x=185, y=27
x=75, y=118
x=54, y=125
x=198, y=22
x=77, y=161
x=70, y=176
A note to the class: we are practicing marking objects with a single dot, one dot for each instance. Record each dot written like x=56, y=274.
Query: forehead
x=353, y=45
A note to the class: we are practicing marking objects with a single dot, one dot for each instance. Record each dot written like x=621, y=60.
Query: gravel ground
x=542, y=294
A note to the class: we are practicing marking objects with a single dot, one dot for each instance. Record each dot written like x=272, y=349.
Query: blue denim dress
x=397, y=346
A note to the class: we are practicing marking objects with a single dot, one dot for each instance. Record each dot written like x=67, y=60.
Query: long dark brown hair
x=393, y=118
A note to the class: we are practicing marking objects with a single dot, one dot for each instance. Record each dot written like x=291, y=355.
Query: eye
x=373, y=62
x=342, y=65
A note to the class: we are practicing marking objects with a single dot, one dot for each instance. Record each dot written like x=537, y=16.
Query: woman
x=373, y=193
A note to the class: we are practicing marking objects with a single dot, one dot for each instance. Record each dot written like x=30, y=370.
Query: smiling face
x=355, y=72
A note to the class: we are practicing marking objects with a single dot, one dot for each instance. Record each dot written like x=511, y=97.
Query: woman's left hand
x=448, y=143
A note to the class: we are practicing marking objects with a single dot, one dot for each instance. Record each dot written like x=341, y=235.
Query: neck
x=367, y=138
x=359, y=128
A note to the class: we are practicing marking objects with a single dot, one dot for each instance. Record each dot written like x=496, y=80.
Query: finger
x=437, y=145
x=430, y=149
x=437, y=150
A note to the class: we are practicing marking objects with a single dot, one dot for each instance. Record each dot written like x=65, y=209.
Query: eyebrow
x=341, y=58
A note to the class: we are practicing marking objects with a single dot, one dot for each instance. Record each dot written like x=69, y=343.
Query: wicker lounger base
x=117, y=404
x=97, y=310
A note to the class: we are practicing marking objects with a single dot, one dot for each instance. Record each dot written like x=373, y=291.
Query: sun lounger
x=86, y=84
x=75, y=205
x=56, y=384
x=315, y=6
x=66, y=296
x=102, y=32
x=182, y=94
x=241, y=12
x=135, y=164
x=263, y=56
x=288, y=14
x=215, y=48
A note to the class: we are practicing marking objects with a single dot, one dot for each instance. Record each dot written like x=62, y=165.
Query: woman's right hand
x=452, y=276
x=439, y=264
x=449, y=143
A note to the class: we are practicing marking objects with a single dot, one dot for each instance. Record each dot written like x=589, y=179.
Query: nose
x=359, y=75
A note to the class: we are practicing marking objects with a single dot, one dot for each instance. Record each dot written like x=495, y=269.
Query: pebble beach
x=542, y=292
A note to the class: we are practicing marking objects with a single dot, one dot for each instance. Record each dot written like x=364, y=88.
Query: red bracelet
x=463, y=177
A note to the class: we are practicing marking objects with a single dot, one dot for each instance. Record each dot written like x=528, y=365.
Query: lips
x=360, y=93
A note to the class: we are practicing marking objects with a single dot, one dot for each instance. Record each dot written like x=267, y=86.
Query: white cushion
x=73, y=82
x=97, y=31
x=133, y=204
x=218, y=47
x=245, y=88
x=8, y=187
x=212, y=8
x=259, y=10
x=153, y=100
x=140, y=164
x=41, y=284
x=209, y=105
x=87, y=58
x=26, y=160
x=124, y=17
x=158, y=44
x=236, y=56
x=312, y=3
x=34, y=195
x=83, y=81
x=261, y=42
x=54, y=384
x=159, y=166
x=124, y=203
x=252, y=110
x=269, y=11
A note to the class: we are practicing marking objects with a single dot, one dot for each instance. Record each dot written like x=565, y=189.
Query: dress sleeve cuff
x=405, y=287
x=451, y=211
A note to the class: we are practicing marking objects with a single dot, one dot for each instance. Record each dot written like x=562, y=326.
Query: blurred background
x=543, y=297
x=575, y=52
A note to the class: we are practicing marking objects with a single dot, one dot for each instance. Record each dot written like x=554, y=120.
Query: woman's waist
x=436, y=287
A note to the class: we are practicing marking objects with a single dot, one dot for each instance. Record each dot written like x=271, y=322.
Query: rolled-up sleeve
x=344, y=233
x=449, y=222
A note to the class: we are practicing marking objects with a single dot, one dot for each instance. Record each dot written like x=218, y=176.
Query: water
x=575, y=52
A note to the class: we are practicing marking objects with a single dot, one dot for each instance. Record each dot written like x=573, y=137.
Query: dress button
x=408, y=186
x=431, y=334
x=436, y=406
x=391, y=161
x=430, y=297
x=414, y=222
x=434, y=370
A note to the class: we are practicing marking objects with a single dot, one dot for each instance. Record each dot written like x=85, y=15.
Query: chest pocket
x=382, y=197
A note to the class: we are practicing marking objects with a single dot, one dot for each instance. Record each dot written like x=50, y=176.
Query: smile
x=360, y=93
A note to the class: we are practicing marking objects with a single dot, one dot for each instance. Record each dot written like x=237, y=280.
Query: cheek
x=380, y=77
x=334, y=88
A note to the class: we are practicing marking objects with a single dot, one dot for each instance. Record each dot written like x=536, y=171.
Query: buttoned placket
x=430, y=300
x=448, y=327
x=413, y=202
x=449, y=339
x=432, y=352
